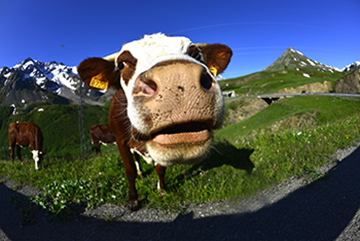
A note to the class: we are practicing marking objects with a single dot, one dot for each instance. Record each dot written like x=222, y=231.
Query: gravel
x=325, y=209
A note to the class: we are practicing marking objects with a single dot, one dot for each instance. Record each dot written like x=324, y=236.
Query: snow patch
x=306, y=75
x=312, y=63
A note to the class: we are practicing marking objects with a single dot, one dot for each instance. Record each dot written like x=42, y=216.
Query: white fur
x=146, y=156
x=185, y=155
x=36, y=158
x=106, y=144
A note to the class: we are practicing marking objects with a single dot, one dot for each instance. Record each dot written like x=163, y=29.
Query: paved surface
x=328, y=209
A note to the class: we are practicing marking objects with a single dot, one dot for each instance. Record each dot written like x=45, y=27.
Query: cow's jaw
x=184, y=144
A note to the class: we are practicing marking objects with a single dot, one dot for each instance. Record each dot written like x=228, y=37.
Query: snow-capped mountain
x=351, y=67
x=293, y=59
x=41, y=82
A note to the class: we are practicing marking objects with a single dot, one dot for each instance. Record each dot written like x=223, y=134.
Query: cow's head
x=173, y=99
x=38, y=157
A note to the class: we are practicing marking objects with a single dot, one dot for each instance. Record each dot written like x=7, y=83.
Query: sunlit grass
x=240, y=164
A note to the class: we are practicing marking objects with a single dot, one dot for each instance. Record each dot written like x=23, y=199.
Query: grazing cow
x=101, y=134
x=26, y=135
x=167, y=101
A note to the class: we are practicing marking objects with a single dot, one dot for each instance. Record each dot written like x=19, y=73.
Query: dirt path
x=327, y=209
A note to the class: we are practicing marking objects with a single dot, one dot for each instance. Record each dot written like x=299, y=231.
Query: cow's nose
x=144, y=87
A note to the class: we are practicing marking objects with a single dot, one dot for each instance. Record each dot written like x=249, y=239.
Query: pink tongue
x=187, y=137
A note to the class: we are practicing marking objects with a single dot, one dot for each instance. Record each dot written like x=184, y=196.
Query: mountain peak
x=351, y=67
x=293, y=59
x=33, y=81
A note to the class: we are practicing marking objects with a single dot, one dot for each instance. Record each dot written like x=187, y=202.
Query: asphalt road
x=327, y=209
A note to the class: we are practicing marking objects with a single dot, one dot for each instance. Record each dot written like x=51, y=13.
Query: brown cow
x=26, y=134
x=102, y=134
x=167, y=101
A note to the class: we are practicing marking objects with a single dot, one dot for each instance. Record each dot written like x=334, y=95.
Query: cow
x=167, y=101
x=26, y=134
x=102, y=134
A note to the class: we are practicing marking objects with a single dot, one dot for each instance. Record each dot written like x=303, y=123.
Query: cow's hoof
x=134, y=206
x=162, y=192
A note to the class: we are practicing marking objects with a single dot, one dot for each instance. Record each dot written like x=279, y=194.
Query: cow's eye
x=121, y=65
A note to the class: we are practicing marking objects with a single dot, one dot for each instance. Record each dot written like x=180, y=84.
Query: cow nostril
x=206, y=81
x=145, y=87
x=149, y=87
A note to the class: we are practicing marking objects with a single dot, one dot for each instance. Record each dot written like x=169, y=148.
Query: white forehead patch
x=149, y=49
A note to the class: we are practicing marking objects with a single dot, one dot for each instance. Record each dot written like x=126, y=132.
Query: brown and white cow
x=101, y=134
x=23, y=135
x=167, y=101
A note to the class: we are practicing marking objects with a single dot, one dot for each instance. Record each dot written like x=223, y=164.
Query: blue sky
x=258, y=31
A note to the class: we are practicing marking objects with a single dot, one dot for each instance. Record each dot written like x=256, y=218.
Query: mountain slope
x=292, y=59
x=33, y=81
x=350, y=83
x=290, y=71
x=351, y=67
x=19, y=90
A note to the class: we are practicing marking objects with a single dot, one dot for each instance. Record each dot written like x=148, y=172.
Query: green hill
x=59, y=124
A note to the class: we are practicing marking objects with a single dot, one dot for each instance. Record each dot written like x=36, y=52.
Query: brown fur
x=101, y=133
x=91, y=67
x=25, y=134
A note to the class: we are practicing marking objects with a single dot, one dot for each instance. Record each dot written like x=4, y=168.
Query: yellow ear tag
x=213, y=70
x=97, y=82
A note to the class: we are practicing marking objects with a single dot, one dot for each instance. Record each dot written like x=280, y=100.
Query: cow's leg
x=12, y=147
x=18, y=149
x=160, y=170
x=97, y=147
x=137, y=163
x=130, y=170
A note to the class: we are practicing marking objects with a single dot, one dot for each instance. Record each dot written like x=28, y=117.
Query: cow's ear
x=216, y=57
x=98, y=73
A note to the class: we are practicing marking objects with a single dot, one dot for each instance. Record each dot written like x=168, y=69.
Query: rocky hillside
x=293, y=59
x=349, y=83
x=33, y=81
x=351, y=67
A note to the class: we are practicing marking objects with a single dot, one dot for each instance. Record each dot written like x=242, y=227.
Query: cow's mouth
x=183, y=134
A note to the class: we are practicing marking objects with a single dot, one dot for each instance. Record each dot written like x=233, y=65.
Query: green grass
x=267, y=82
x=243, y=161
x=326, y=110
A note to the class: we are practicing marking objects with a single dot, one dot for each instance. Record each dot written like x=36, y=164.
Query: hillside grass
x=248, y=156
x=324, y=109
x=59, y=125
x=267, y=82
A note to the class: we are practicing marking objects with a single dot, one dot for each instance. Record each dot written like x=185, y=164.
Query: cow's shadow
x=224, y=153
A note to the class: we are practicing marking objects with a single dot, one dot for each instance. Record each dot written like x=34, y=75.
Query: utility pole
x=82, y=136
